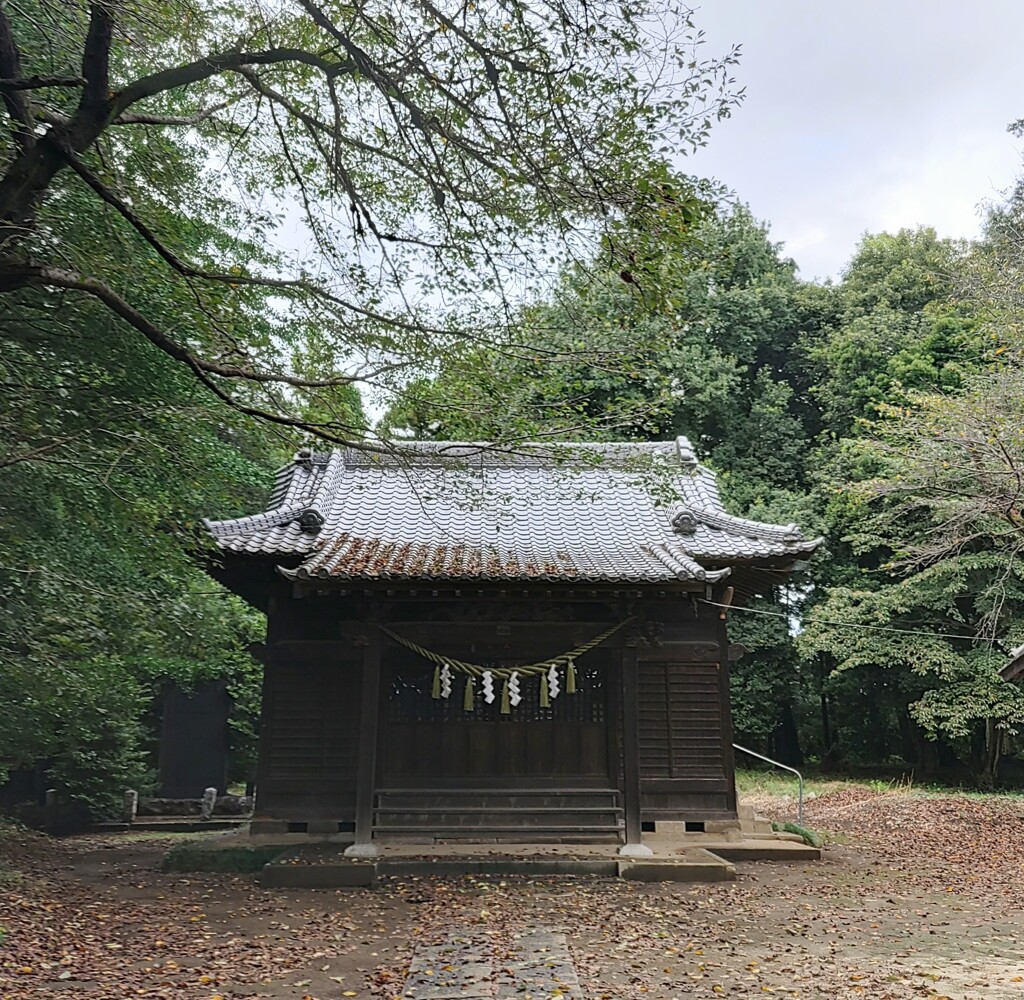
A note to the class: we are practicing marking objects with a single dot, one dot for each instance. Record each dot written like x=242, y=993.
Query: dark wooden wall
x=686, y=764
x=309, y=731
x=312, y=690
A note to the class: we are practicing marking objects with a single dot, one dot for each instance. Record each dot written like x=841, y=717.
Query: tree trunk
x=826, y=725
x=786, y=738
x=991, y=754
x=925, y=752
x=29, y=177
x=909, y=741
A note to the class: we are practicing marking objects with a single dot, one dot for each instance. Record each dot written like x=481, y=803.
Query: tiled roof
x=629, y=513
x=1013, y=669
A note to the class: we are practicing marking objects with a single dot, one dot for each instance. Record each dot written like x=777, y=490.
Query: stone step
x=309, y=868
x=767, y=849
x=492, y=810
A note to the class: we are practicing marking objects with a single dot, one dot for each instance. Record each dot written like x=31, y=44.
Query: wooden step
x=508, y=813
x=518, y=833
x=504, y=799
x=506, y=819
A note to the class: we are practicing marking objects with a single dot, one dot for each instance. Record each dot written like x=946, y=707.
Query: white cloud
x=867, y=117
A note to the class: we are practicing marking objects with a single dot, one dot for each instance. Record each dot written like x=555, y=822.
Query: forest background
x=498, y=245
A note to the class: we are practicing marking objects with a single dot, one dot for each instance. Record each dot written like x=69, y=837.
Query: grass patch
x=809, y=836
x=755, y=780
x=191, y=857
x=752, y=782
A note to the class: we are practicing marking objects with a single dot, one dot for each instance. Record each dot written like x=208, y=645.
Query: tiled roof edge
x=785, y=534
x=253, y=522
x=311, y=514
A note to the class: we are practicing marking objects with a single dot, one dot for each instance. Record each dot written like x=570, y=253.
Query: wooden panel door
x=436, y=743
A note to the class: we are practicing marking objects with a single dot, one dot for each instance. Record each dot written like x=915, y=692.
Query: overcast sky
x=866, y=116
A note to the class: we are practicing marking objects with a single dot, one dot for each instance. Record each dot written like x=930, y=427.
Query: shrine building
x=470, y=643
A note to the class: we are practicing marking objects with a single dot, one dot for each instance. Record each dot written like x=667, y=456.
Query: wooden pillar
x=366, y=774
x=725, y=696
x=633, y=846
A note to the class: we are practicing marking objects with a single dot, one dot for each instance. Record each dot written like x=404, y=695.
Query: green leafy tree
x=925, y=503
x=896, y=330
x=109, y=455
x=702, y=341
x=698, y=346
x=435, y=158
x=158, y=356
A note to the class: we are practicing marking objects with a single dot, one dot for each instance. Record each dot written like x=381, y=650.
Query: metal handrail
x=785, y=767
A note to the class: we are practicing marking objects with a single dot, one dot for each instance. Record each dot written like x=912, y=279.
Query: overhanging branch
x=212, y=65
x=39, y=82
x=33, y=275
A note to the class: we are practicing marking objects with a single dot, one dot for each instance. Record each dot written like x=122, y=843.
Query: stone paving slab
x=456, y=968
x=539, y=967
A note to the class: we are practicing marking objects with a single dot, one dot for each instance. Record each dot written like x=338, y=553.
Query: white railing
x=785, y=767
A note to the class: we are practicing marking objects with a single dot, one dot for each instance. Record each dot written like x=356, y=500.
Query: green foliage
x=159, y=357
x=882, y=411
x=110, y=454
x=699, y=348
x=896, y=329
x=763, y=680
x=922, y=500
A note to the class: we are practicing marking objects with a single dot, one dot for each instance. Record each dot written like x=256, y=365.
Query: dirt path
x=885, y=917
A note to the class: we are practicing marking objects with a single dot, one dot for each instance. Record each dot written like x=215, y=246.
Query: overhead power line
x=829, y=621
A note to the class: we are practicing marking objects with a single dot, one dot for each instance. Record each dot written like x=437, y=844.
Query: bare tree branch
x=40, y=82
x=10, y=67
x=202, y=115
x=43, y=276
x=213, y=65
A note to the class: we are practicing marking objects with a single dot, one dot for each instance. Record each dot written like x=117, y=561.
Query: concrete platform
x=768, y=850
x=319, y=862
x=172, y=824
x=785, y=847
x=325, y=866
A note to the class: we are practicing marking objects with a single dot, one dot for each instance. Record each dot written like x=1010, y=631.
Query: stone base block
x=271, y=827
x=322, y=828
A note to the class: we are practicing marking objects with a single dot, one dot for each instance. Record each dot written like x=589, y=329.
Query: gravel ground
x=917, y=896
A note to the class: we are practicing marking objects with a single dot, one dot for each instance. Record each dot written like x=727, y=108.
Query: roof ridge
x=545, y=454
x=679, y=559
x=272, y=518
